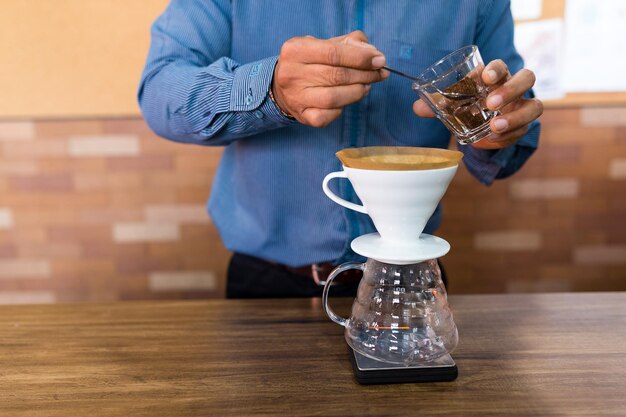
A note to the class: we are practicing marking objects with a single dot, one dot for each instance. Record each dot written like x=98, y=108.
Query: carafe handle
x=334, y=197
x=341, y=268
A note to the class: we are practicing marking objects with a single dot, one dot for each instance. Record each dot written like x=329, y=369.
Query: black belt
x=319, y=273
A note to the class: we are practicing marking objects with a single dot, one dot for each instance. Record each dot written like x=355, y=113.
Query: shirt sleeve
x=190, y=91
x=494, y=37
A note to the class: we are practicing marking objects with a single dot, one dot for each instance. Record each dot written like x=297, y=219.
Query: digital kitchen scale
x=369, y=371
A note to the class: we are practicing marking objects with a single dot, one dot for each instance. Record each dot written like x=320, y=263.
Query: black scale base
x=369, y=371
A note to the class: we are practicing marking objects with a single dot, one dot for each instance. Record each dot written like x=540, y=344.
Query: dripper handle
x=334, y=197
x=341, y=268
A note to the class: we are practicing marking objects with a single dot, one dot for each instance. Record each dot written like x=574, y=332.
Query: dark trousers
x=250, y=277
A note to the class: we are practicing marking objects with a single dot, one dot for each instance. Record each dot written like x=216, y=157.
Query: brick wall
x=101, y=210
x=98, y=210
x=557, y=225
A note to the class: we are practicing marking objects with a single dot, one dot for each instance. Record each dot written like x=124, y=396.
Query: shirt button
x=258, y=114
x=249, y=100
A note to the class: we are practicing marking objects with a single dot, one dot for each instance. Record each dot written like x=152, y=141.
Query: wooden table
x=519, y=355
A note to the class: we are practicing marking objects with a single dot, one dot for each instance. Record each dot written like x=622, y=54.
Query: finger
x=335, y=97
x=316, y=51
x=495, y=141
x=495, y=72
x=326, y=75
x=422, y=109
x=525, y=112
x=360, y=44
x=319, y=117
x=506, y=137
x=511, y=90
x=356, y=37
x=491, y=146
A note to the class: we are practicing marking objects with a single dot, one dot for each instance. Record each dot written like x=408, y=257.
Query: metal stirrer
x=451, y=95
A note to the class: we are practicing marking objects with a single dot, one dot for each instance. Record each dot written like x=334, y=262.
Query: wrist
x=278, y=107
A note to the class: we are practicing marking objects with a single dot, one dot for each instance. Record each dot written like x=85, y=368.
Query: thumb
x=422, y=109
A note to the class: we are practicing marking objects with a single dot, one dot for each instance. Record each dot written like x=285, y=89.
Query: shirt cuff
x=481, y=163
x=250, y=91
x=487, y=165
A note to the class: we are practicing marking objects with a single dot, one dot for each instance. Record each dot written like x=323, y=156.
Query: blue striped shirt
x=206, y=82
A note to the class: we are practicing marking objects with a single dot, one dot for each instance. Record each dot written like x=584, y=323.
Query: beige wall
x=83, y=58
x=69, y=58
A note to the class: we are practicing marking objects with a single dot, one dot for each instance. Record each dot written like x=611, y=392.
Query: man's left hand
x=507, y=94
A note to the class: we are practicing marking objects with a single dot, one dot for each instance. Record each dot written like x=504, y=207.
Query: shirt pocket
x=402, y=124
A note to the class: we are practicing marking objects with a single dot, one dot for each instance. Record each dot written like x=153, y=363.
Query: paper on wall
x=595, y=56
x=526, y=9
x=540, y=44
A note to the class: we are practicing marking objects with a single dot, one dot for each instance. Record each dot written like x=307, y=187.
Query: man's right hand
x=315, y=79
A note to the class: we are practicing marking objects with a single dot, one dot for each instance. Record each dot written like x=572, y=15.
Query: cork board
x=556, y=9
x=73, y=58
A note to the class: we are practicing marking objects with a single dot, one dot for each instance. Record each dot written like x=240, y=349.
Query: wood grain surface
x=519, y=355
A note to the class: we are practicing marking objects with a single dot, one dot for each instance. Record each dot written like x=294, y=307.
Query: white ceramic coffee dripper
x=399, y=202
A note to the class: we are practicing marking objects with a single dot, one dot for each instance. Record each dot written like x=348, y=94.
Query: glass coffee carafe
x=401, y=313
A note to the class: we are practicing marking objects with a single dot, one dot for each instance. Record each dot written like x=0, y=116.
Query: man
x=284, y=84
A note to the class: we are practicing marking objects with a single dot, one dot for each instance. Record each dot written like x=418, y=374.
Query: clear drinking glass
x=401, y=313
x=454, y=90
